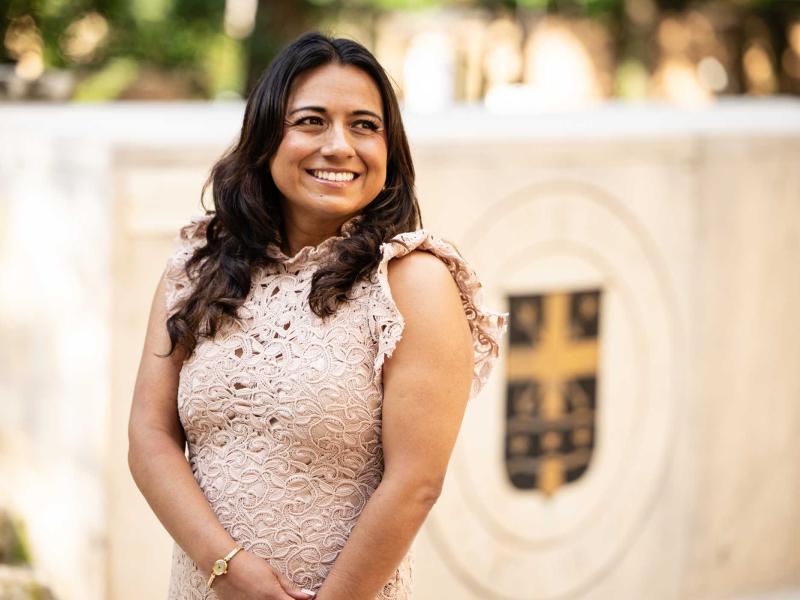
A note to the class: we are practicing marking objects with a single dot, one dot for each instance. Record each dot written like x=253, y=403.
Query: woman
x=313, y=457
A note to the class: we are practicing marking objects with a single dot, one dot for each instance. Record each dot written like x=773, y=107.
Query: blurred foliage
x=17, y=579
x=14, y=548
x=123, y=48
x=141, y=36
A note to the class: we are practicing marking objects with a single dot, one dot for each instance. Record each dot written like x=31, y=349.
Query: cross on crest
x=551, y=373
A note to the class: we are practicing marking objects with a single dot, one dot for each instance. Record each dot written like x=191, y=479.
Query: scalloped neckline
x=304, y=252
x=314, y=252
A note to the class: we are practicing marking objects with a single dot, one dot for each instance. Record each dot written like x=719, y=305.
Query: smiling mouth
x=338, y=178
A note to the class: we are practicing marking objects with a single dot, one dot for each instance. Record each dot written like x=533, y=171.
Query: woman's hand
x=250, y=577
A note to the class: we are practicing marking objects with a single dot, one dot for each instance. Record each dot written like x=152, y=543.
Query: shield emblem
x=551, y=385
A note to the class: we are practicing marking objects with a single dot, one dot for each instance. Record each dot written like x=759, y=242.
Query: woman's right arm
x=157, y=462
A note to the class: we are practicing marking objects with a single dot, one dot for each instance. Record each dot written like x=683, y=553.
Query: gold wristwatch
x=221, y=566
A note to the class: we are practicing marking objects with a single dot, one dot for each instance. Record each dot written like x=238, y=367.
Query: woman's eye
x=367, y=125
x=307, y=121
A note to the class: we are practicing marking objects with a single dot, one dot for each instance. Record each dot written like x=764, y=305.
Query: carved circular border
x=479, y=507
x=651, y=256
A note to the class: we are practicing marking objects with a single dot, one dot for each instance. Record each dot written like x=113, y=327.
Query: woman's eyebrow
x=321, y=109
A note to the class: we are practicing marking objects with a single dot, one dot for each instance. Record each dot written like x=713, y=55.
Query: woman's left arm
x=426, y=384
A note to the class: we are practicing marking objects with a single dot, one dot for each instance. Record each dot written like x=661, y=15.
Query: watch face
x=219, y=567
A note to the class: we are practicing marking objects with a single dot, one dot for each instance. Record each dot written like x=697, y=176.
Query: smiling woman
x=311, y=346
x=331, y=162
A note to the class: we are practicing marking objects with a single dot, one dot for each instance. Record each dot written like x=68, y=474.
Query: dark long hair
x=247, y=216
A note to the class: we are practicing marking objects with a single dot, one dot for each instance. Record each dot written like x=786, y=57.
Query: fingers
x=293, y=590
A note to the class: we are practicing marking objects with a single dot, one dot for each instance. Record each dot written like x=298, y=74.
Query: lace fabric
x=282, y=412
x=487, y=326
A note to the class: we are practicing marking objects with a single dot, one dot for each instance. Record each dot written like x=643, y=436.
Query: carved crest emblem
x=551, y=388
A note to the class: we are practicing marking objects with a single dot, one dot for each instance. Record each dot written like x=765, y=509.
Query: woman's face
x=331, y=161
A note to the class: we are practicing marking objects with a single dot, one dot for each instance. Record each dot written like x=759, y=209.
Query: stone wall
x=689, y=223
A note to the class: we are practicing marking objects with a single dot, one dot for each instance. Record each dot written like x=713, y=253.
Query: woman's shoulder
x=189, y=236
x=419, y=241
x=423, y=262
x=424, y=249
x=195, y=229
x=424, y=254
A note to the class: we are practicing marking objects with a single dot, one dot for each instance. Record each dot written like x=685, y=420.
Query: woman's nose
x=336, y=142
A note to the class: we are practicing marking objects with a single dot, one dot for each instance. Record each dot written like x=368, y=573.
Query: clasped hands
x=250, y=577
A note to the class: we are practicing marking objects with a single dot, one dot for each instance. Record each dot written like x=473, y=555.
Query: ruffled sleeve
x=487, y=326
x=176, y=281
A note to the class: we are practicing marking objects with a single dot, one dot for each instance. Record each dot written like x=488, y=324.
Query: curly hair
x=247, y=216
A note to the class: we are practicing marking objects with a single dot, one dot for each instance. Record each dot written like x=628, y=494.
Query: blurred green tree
x=218, y=48
x=114, y=47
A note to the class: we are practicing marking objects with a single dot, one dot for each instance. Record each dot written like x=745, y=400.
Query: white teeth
x=331, y=176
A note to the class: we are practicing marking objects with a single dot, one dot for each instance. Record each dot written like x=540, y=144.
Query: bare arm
x=426, y=386
x=159, y=467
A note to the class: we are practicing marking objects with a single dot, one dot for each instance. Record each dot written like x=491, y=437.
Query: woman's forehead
x=335, y=86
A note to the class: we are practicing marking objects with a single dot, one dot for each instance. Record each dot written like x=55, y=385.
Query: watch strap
x=231, y=554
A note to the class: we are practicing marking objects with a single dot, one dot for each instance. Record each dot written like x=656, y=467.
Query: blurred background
x=624, y=175
x=538, y=52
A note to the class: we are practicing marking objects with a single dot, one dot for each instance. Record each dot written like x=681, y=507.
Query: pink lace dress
x=282, y=411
